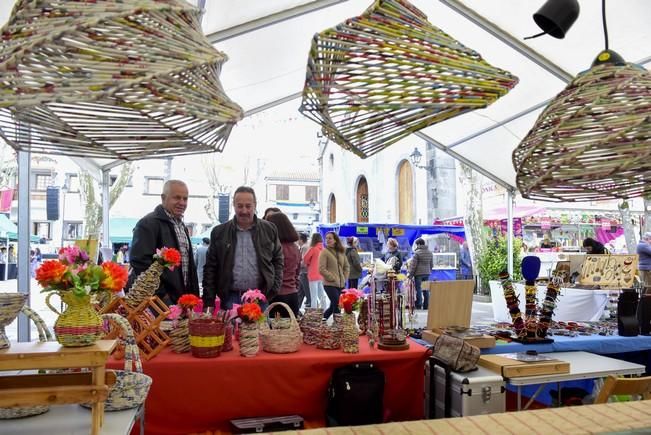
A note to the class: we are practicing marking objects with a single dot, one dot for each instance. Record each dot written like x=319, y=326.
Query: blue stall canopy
x=372, y=237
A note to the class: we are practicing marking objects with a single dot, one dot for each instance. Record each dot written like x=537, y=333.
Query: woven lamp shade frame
x=593, y=141
x=126, y=80
x=387, y=73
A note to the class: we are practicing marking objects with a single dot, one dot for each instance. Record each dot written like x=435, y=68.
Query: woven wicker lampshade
x=378, y=77
x=126, y=79
x=593, y=141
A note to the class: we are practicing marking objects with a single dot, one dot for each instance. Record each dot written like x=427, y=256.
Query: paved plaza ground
x=482, y=312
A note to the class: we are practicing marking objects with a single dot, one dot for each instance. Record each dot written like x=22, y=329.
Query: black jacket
x=152, y=232
x=218, y=271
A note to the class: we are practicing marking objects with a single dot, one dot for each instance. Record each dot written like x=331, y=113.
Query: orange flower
x=188, y=301
x=250, y=312
x=51, y=274
x=115, y=277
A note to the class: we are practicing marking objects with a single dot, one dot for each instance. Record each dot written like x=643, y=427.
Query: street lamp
x=416, y=157
x=64, y=191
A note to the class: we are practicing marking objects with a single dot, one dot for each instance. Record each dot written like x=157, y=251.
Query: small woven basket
x=10, y=305
x=43, y=336
x=206, y=337
x=180, y=336
x=283, y=340
x=131, y=387
x=310, y=324
x=330, y=335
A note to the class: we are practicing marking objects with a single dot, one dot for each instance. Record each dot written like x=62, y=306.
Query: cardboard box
x=450, y=303
x=510, y=368
x=483, y=342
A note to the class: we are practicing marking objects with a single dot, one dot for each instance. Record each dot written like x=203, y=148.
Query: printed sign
x=398, y=232
x=616, y=271
x=362, y=230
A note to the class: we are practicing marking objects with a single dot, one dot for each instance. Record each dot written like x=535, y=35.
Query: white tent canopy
x=268, y=42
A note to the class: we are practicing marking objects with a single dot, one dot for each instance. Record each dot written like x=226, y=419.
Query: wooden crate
x=450, y=303
x=483, y=342
x=145, y=320
x=510, y=368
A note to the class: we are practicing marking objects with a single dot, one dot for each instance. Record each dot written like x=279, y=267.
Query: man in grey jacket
x=420, y=269
x=244, y=253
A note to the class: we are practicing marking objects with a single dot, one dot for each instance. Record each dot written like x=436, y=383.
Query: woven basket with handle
x=284, y=340
x=131, y=387
x=43, y=335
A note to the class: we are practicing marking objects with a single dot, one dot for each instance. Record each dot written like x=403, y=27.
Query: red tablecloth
x=198, y=395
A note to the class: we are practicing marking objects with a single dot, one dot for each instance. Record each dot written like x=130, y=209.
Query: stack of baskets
x=282, y=340
x=43, y=336
x=206, y=337
x=131, y=387
x=310, y=324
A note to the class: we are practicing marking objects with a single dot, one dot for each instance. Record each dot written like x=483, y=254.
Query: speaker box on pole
x=52, y=203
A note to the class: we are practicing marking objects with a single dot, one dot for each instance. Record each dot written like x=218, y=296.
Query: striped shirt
x=245, y=265
x=184, y=245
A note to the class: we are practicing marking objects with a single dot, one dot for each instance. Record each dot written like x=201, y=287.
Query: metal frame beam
x=270, y=20
x=508, y=39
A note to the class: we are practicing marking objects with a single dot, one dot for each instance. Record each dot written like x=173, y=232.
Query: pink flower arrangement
x=254, y=296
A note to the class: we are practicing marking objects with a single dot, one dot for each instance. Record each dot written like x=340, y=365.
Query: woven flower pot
x=310, y=324
x=79, y=324
x=206, y=337
x=180, y=336
x=10, y=305
x=228, y=337
x=249, y=339
x=350, y=336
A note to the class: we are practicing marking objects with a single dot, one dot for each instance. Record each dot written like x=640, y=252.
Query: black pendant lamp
x=556, y=17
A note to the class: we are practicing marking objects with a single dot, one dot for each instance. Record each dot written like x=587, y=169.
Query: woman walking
x=334, y=268
x=314, y=278
x=288, y=292
x=353, y=262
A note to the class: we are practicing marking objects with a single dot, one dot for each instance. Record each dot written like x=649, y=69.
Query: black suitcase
x=267, y=424
x=355, y=395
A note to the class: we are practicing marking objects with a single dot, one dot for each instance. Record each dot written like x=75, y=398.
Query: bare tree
x=213, y=175
x=92, y=206
x=474, y=219
x=627, y=223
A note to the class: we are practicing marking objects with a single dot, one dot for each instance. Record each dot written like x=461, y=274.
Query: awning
x=9, y=230
x=121, y=229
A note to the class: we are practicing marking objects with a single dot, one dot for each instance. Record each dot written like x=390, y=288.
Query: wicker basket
x=310, y=324
x=43, y=336
x=285, y=340
x=79, y=324
x=10, y=305
x=329, y=336
x=131, y=387
x=206, y=337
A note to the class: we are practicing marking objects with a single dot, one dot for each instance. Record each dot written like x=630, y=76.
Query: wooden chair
x=614, y=386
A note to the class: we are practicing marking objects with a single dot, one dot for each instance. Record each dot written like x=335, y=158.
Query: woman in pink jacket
x=311, y=260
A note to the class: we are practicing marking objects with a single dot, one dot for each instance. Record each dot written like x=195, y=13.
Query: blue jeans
x=420, y=295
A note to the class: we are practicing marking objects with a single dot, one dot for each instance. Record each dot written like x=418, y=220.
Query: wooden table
x=57, y=388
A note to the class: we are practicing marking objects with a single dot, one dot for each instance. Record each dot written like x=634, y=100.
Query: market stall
x=231, y=387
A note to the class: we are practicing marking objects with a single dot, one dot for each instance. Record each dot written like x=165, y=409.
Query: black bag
x=355, y=395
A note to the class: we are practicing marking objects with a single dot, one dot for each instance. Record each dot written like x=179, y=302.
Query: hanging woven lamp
x=126, y=79
x=593, y=141
x=378, y=77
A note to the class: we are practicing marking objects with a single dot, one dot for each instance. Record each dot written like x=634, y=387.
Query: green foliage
x=492, y=260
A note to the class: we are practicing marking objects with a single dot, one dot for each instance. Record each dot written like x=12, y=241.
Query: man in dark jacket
x=164, y=227
x=244, y=253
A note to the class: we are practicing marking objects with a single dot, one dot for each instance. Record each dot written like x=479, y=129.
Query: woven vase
x=10, y=306
x=180, y=337
x=145, y=285
x=79, y=324
x=228, y=338
x=350, y=337
x=249, y=343
x=310, y=324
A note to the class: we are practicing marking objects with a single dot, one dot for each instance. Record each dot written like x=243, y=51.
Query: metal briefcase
x=462, y=394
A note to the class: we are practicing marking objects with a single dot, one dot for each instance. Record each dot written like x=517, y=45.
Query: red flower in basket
x=190, y=302
x=250, y=312
x=350, y=300
x=115, y=277
x=168, y=257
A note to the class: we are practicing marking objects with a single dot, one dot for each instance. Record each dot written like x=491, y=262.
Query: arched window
x=362, y=200
x=332, y=209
